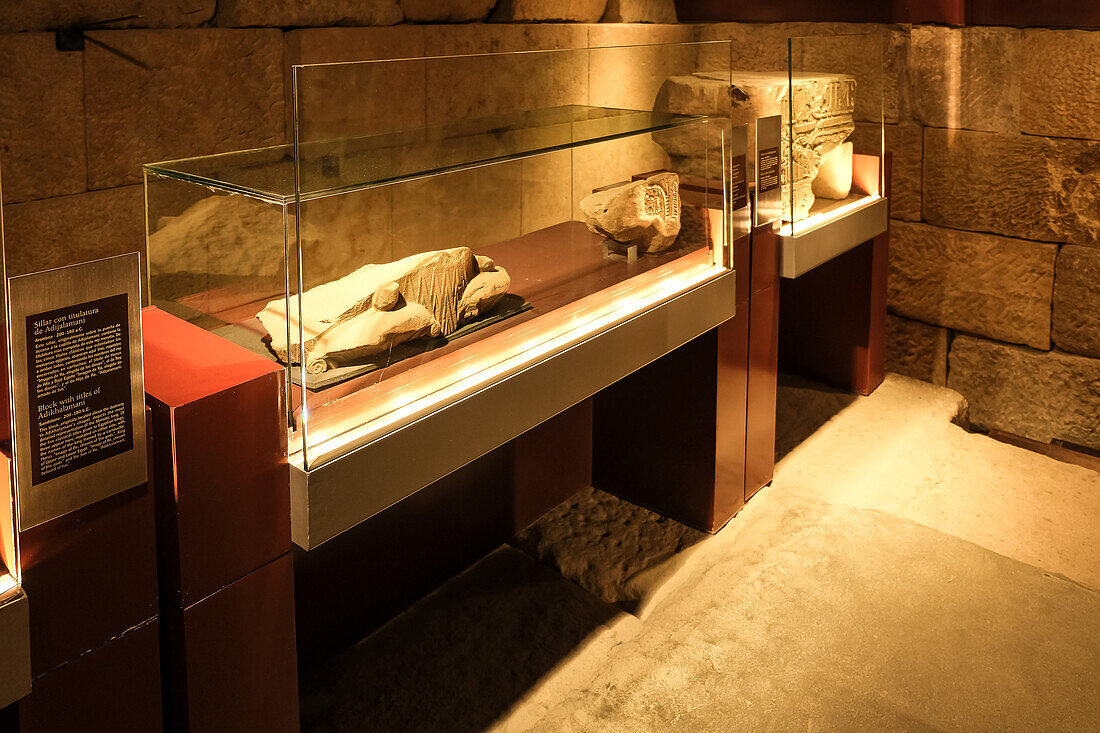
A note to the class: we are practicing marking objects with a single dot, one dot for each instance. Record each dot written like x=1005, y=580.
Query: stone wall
x=995, y=278
x=1005, y=262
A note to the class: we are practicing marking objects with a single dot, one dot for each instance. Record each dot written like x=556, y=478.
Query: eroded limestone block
x=1037, y=188
x=306, y=13
x=380, y=306
x=446, y=11
x=645, y=213
x=1037, y=394
x=980, y=283
x=639, y=11
x=131, y=78
x=1059, y=85
x=221, y=235
x=916, y=349
x=542, y=11
x=1076, y=313
x=823, y=106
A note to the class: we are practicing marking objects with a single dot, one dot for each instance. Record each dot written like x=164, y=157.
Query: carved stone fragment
x=834, y=175
x=822, y=105
x=644, y=213
x=378, y=307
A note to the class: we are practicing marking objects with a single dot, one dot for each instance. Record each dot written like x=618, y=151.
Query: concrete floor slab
x=901, y=450
x=819, y=616
x=899, y=574
x=466, y=654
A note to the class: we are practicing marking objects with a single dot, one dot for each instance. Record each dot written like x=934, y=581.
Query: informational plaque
x=740, y=210
x=75, y=335
x=769, y=178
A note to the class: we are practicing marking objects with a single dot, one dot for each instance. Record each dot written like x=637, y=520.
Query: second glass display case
x=437, y=223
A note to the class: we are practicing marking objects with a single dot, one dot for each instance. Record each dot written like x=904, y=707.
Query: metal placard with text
x=769, y=176
x=77, y=386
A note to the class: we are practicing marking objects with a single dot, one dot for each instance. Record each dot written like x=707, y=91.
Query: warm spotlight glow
x=822, y=218
x=370, y=413
x=7, y=583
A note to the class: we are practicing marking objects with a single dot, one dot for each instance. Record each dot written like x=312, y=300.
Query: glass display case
x=15, y=679
x=436, y=224
x=814, y=112
x=833, y=129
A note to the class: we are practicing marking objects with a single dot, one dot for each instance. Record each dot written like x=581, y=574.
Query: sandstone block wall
x=1008, y=257
x=995, y=134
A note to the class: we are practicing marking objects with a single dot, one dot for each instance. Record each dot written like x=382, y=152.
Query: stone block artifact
x=643, y=213
x=822, y=106
x=380, y=306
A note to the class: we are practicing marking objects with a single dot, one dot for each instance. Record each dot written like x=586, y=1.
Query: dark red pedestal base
x=223, y=531
x=692, y=435
x=226, y=657
x=91, y=582
x=403, y=553
x=114, y=688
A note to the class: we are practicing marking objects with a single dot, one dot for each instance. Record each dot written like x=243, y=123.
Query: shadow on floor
x=802, y=407
x=620, y=552
x=460, y=658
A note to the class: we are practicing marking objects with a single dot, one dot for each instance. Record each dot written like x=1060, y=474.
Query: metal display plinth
x=799, y=253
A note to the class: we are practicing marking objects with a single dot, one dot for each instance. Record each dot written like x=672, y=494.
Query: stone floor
x=900, y=573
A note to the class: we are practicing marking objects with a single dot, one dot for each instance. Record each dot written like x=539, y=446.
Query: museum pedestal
x=91, y=580
x=114, y=687
x=223, y=531
x=833, y=325
x=404, y=552
x=15, y=643
x=692, y=434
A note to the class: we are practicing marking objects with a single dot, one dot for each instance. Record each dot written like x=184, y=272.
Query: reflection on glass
x=397, y=257
x=833, y=130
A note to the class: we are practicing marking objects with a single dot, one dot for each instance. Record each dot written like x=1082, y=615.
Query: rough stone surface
x=41, y=118
x=442, y=209
x=906, y=143
x=824, y=581
x=644, y=213
x=981, y=283
x=158, y=95
x=493, y=38
x=1039, y=395
x=822, y=107
x=966, y=78
x=233, y=246
x=358, y=86
x=810, y=601
x=380, y=306
x=617, y=551
x=639, y=11
x=219, y=236
x=526, y=11
x=928, y=468
x=1059, y=83
x=480, y=86
x=875, y=56
x=38, y=15
x=1018, y=185
x=332, y=45
x=916, y=349
x=446, y=11
x=631, y=47
x=1076, y=316
x=65, y=230
x=283, y=13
